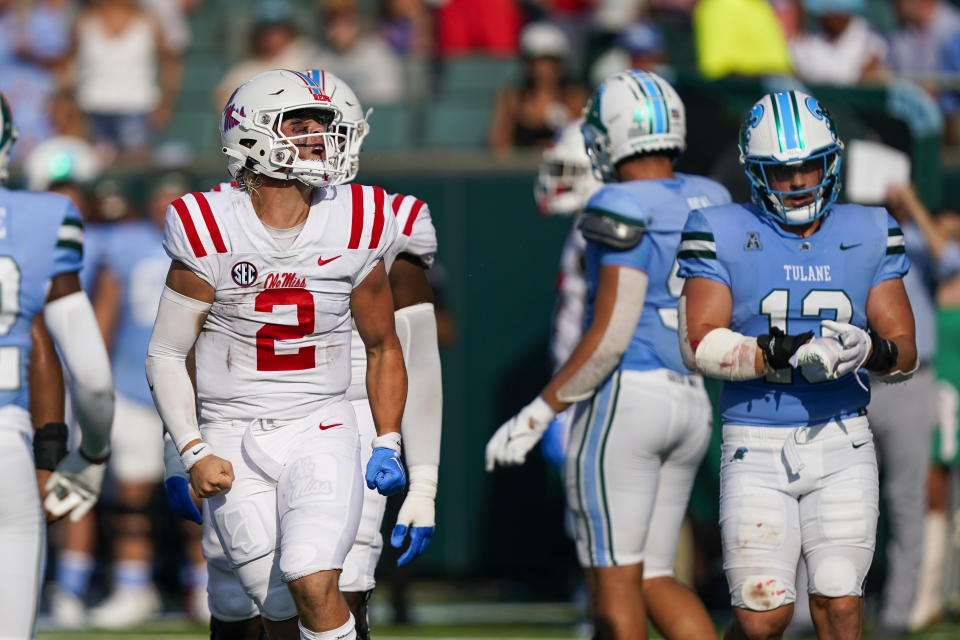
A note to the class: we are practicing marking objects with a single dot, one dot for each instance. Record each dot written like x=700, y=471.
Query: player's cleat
x=67, y=610
x=126, y=608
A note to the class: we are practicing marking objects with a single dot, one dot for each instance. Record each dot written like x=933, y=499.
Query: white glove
x=818, y=359
x=856, y=345
x=515, y=437
x=74, y=486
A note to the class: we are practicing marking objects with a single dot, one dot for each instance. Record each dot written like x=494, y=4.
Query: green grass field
x=180, y=631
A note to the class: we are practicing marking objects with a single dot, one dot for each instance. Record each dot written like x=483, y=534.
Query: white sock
x=929, y=595
x=347, y=631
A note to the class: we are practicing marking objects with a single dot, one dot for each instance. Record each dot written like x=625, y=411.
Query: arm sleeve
x=697, y=253
x=179, y=321
x=423, y=413
x=73, y=326
x=68, y=252
x=893, y=262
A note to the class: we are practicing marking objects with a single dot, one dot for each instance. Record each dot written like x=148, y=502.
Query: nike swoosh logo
x=324, y=427
x=195, y=451
x=844, y=247
x=857, y=446
x=321, y=261
x=277, y=92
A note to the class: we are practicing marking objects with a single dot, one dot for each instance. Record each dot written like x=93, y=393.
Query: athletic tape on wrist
x=423, y=480
x=192, y=455
x=388, y=441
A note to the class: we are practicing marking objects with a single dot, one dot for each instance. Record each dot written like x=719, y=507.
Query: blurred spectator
x=66, y=119
x=172, y=16
x=529, y=115
x=406, y=26
x=34, y=38
x=478, y=27
x=363, y=60
x=127, y=76
x=843, y=51
x=640, y=46
x=739, y=37
x=926, y=28
x=275, y=43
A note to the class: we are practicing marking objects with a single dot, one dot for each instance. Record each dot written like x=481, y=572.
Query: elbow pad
x=179, y=321
x=423, y=413
x=631, y=292
x=727, y=355
x=73, y=325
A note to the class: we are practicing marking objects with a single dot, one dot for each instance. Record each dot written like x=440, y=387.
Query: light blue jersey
x=96, y=248
x=661, y=206
x=778, y=279
x=41, y=236
x=137, y=258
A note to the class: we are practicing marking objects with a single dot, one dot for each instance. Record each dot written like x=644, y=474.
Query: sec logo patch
x=244, y=274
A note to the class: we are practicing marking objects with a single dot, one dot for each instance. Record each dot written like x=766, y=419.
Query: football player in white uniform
x=406, y=259
x=41, y=240
x=265, y=281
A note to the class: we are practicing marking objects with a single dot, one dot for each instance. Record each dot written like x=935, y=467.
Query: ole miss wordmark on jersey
x=277, y=339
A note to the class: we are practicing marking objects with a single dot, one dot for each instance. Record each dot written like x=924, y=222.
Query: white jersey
x=570, y=311
x=415, y=236
x=276, y=343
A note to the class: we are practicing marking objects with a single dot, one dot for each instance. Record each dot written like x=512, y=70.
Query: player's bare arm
x=891, y=318
x=46, y=405
x=183, y=309
x=372, y=306
x=75, y=484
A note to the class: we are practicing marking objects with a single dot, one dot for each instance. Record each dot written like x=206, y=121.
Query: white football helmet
x=8, y=135
x=61, y=159
x=632, y=112
x=353, y=120
x=790, y=128
x=250, y=130
x=566, y=180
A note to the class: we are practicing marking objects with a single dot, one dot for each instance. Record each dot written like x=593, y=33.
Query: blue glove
x=553, y=445
x=177, y=492
x=385, y=472
x=419, y=539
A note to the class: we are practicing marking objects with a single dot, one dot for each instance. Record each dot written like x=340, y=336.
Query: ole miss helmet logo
x=244, y=274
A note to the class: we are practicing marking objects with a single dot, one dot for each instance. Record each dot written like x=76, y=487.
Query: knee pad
x=763, y=593
x=843, y=515
x=243, y=530
x=834, y=577
x=278, y=604
x=226, y=596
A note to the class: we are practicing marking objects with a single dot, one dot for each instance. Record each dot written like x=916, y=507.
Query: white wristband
x=388, y=441
x=192, y=455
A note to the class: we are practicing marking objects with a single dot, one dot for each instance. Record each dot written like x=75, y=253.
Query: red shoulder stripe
x=378, y=197
x=356, y=197
x=397, y=201
x=211, y=223
x=187, y=222
x=408, y=228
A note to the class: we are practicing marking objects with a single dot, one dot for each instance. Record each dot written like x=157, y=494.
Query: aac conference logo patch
x=244, y=274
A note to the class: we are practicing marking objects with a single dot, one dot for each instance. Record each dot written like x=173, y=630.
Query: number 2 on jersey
x=9, y=312
x=267, y=357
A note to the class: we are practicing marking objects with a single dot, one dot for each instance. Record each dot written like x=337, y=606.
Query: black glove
x=778, y=347
x=883, y=354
